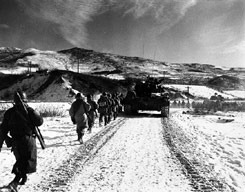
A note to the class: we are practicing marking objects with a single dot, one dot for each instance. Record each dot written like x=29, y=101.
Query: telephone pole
x=188, y=91
x=78, y=63
x=143, y=45
x=29, y=67
x=154, y=54
x=143, y=49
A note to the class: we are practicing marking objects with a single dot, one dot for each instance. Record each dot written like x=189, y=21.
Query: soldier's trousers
x=80, y=132
x=103, y=116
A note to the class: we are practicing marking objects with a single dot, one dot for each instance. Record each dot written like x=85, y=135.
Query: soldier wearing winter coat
x=92, y=112
x=121, y=98
x=130, y=97
x=110, y=107
x=20, y=125
x=78, y=111
x=103, y=109
x=116, y=105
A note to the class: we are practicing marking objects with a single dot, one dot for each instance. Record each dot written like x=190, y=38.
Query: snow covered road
x=140, y=153
x=135, y=159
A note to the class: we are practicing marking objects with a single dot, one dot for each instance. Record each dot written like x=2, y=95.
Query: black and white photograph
x=122, y=95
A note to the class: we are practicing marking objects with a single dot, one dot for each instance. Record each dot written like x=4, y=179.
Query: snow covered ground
x=215, y=141
x=206, y=92
x=135, y=159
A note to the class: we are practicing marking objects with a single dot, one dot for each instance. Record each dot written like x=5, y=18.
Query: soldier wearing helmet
x=103, y=103
x=19, y=121
x=78, y=113
x=92, y=112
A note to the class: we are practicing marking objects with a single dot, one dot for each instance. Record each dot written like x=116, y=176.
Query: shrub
x=51, y=111
x=219, y=106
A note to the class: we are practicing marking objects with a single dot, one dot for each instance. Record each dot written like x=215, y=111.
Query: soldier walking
x=20, y=121
x=103, y=109
x=78, y=115
x=110, y=107
x=116, y=105
x=92, y=112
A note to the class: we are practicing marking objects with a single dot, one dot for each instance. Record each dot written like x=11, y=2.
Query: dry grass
x=51, y=111
x=46, y=110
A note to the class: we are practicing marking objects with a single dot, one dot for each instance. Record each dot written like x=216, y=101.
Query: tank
x=146, y=98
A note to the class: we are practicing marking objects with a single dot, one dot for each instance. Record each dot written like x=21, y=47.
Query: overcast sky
x=199, y=31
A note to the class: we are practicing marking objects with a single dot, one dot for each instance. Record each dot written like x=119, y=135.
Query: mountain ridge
x=60, y=74
x=84, y=60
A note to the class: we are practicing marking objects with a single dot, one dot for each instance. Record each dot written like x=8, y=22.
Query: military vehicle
x=146, y=96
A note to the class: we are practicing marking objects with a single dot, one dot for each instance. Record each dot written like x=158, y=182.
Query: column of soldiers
x=84, y=112
x=109, y=107
x=20, y=121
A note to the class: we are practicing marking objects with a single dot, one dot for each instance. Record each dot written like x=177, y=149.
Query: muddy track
x=60, y=177
x=199, y=182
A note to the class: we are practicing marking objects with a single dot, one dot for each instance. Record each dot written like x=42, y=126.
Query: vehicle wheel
x=127, y=109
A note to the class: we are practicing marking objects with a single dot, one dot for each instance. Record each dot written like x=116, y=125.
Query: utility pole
x=154, y=54
x=164, y=80
x=164, y=72
x=78, y=62
x=188, y=91
x=29, y=67
x=143, y=49
x=143, y=46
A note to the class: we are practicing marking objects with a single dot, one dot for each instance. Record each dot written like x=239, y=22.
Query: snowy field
x=206, y=92
x=215, y=141
x=218, y=142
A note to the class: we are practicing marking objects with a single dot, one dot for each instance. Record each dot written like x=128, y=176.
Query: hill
x=57, y=85
x=107, y=64
x=58, y=75
x=226, y=82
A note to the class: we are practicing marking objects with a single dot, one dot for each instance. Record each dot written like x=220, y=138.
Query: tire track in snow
x=57, y=180
x=199, y=182
x=136, y=158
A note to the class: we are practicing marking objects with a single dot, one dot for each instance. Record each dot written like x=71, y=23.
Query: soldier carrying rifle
x=20, y=123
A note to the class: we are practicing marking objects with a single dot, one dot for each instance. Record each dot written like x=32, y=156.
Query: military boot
x=13, y=186
x=78, y=135
x=23, y=179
